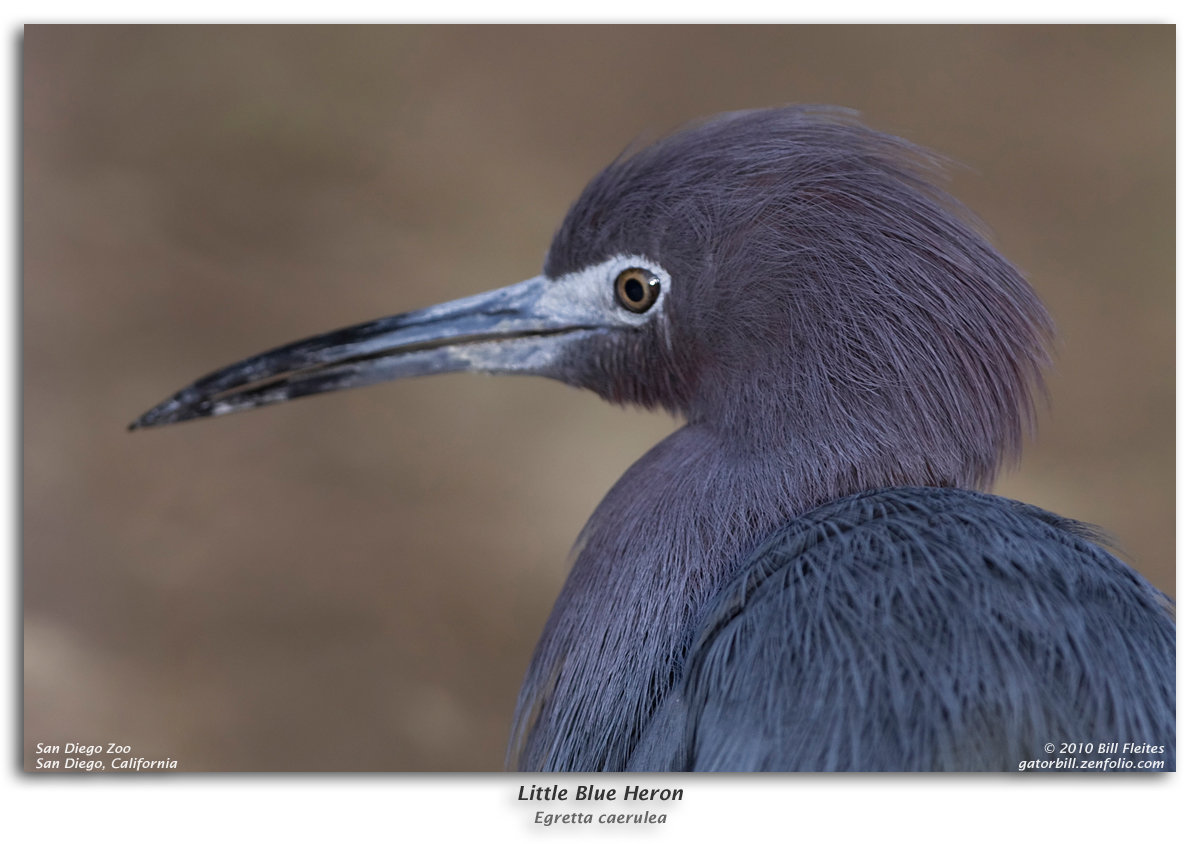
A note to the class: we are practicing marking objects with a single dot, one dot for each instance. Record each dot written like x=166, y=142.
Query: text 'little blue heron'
x=803, y=577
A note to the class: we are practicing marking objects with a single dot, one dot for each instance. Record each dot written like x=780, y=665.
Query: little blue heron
x=809, y=574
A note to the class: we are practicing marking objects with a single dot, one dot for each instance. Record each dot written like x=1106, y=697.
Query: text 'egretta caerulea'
x=806, y=576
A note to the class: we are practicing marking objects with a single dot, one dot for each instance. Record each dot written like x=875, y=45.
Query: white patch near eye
x=592, y=289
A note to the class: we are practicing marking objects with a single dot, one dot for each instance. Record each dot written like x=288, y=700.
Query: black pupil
x=634, y=290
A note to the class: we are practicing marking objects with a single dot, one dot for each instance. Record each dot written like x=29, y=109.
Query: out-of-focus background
x=356, y=582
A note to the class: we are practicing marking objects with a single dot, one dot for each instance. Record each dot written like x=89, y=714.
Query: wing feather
x=922, y=629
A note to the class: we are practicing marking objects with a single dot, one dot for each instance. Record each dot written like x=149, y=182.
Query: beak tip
x=172, y=410
x=149, y=419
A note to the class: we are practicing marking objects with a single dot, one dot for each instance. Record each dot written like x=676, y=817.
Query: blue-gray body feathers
x=921, y=629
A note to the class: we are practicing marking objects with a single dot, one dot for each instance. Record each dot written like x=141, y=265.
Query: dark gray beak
x=524, y=328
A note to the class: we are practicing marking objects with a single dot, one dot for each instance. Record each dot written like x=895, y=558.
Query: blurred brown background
x=356, y=582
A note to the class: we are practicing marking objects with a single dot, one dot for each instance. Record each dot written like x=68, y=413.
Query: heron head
x=820, y=293
x=787, y=277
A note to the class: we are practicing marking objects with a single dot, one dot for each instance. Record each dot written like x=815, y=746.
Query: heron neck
x=670, y=532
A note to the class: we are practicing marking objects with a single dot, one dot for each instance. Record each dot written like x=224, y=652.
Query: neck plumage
x=667, y=536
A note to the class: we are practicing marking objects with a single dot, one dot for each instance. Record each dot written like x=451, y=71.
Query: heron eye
x=637, y=290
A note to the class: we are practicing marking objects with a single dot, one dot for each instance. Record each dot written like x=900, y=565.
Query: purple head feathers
x=829, y=300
